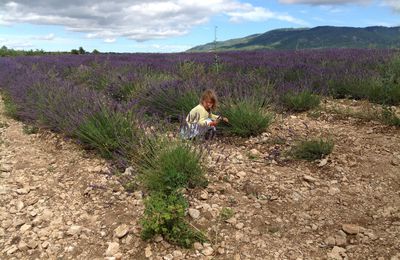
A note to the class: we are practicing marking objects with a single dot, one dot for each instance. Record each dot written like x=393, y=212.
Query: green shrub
x=391, y=82
x=382, y=90
x=165, y=215
x=247, y=117
x=300, y=102
x=190, y=69
x=10, y=108
x=3, y=125
x=108, y=131
x=389, y=117
x=226, y=213
x=312, y=149
x=29, y=129
x=170, y=166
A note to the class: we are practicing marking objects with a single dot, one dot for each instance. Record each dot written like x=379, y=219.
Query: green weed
x=312, y=149
x=165, y=215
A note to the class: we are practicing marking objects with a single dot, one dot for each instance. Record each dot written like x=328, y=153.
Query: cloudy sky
x=172, y=25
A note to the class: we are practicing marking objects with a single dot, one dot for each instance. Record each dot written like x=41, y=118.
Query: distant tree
x=81, y=50
x=4, y=48
x=74, y=51
x=95, y=51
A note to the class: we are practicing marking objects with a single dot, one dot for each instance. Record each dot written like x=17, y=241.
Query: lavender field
x=128, y=109
x=58, y=92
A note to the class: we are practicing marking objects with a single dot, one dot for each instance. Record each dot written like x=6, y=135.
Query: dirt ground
x=58, y=201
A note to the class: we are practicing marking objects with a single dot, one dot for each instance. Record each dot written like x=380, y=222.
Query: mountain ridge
x=311, y=38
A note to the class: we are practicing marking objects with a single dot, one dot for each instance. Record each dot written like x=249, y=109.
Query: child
x=201, y=119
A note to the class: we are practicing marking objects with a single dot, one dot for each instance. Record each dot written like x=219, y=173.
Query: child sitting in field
x=201, y=120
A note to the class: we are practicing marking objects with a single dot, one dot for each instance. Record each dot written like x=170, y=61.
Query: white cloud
x=29, y=41
x=162, y=48
x=133, y=19
x=394, y=4
x=18, y=44
x=258, y=14
x=324, y=2
x=48, y=37
x=109, y=40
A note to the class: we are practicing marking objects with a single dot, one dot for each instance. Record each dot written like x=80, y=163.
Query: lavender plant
x=247, y=117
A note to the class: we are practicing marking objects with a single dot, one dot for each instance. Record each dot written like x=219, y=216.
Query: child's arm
x=219, y=118
x=214, y=116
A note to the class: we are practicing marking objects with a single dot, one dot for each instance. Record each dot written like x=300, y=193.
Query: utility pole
x=215, y=48
x=215, y=39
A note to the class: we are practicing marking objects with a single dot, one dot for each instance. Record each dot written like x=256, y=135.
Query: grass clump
x=389, y=117
x=108, y=131
x=165, y=215
x=3, y=125
x=226, y=213
x=311, y=150
x=10, y=108
x=300, y=102
x=246, y=117
x=169, y=166
x=166, y=167
x=29, y=129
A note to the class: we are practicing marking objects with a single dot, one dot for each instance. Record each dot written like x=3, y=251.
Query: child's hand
x=213, y=123
x=225, y=120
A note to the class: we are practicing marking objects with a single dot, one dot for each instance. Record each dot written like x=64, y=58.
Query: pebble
x=121, y=231
x=341, y=238
x=337, y=253
x=194, y=213
x=112, y=249
x=168, y=257
x=177, y=253
x=334, y=190
x=308, y=178
x=241, y=174
x=23, y=191
x=351, y=229
x=45, y=244
x=5, y=168
x=147, y=252
x=330, y=241
x=231, y=221
x=254, y=152
x=158, y=238
x=11, y=250
x=395, y=162
x=197, y=246
x=239, y=225
x=32, y=244
x=323, y=162
x=19, y=205
x=46, y=215
x=22, y=246
x=74, y=230
x=204, y=195
x=207, y=251
x=25, y=228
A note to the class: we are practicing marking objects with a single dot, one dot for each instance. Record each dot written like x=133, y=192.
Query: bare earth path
x=57, y=202
x=60, y=202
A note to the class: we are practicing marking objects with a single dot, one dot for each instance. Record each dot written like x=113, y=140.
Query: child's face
x=208, y=104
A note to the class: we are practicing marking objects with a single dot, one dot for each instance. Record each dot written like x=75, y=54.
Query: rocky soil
x=58, y=201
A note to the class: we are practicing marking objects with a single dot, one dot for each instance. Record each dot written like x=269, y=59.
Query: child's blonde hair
x=209, y=94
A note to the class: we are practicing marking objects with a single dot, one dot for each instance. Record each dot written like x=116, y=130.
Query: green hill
x=312, y=38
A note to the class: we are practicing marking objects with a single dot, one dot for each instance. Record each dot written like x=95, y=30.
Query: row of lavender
x=59, y=92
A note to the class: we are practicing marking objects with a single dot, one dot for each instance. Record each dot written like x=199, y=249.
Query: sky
x=172, y=25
